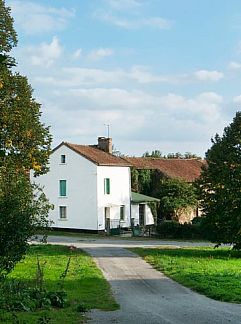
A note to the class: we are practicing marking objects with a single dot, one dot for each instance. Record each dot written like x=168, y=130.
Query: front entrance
x=107, y=220
x=141, y=214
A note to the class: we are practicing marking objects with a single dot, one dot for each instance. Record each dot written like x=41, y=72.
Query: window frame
x=63, y=159
x=107, y=186
x=62, y=188
x=122, y=213
x=62, y=211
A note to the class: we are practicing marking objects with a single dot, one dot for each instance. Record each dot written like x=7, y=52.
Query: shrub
x=174, y=230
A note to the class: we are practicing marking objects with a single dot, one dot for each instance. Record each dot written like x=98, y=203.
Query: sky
x=164, y=75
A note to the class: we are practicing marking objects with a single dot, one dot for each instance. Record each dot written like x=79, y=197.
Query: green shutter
x=62, y=188
x=107, y=186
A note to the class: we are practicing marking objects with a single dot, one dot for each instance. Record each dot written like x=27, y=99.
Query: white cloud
x=234, y=66
x=205, y=75
x=212, y=97
x=100, y=53
x=133, y=22
x=76, y=76
x=35, y=18
x=142, y=75
x=45, y=54
x=77, y=54
x=237, y=99
x=169, y=119
x=156, y=22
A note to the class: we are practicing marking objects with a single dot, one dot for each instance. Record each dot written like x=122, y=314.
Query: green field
x=215, y=273
x=83, y=283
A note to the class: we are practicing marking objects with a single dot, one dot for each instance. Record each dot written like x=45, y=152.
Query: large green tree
x=220, y=187
x=24, y=146
x=176, y=196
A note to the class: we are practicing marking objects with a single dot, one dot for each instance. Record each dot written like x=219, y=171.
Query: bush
x=174, y=230
x=17, y=296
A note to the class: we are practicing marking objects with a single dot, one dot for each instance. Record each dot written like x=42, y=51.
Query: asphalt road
x=146, y=295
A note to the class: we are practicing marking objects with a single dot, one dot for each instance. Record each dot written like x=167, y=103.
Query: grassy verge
x=83, y=283
x=215, y=273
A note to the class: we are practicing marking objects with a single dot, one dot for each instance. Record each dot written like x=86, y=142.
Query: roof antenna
x=108, y=130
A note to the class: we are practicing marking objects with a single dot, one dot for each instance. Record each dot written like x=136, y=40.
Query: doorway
x=107, y=220
x=141, y=214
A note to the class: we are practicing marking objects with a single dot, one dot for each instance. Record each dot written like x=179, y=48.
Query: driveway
x=146, y=295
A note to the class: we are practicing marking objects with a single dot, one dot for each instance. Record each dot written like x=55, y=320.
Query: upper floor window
x=62, y=188
x=63, y=159
x=107, y=186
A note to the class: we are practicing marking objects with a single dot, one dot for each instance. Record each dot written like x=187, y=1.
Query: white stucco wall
x=135, y=213
x=81, y=199
x=119, y=194
x=149, y=220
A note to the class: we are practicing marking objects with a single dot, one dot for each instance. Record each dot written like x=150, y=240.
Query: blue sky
x=163, y=74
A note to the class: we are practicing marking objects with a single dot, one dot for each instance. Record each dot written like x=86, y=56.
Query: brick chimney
x=105, y=144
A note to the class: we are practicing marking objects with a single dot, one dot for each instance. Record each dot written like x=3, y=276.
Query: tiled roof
x=186, y=169
x=96, y=155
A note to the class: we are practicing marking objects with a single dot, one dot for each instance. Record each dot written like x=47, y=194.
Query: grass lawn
x=215, y=273
x=84, y=283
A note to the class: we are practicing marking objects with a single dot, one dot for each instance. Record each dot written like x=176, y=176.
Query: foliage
x=23, y=210
x=220, y=186
x=23, y=138
x=24, y=146
x=154, y=154
x=8, y=36
x=213, y=272
x=83, y=283
x=18, y=296
x=146, y=181
x=141, y=180
x=175, y=230
x=178, y=155
x=175, y=196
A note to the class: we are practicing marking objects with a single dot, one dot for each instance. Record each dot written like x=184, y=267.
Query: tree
x=24, y=146
x=8, y=36
x=220, y=187
x=178, y=155
x=154, y=154
x=23, y=210
x=141, y=180
x=175, y=197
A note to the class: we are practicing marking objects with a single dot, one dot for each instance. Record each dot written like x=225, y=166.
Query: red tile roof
x=96, y=155
x=186, y=169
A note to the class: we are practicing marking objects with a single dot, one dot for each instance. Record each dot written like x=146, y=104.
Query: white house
x=89, y=187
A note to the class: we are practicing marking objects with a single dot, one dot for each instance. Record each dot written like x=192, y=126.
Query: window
x=63, y=159
x=107, y=186
x=62, y=212
x=62, y=188
x=122, y=213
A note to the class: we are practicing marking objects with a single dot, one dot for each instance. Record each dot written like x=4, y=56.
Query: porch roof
x=139, y=198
